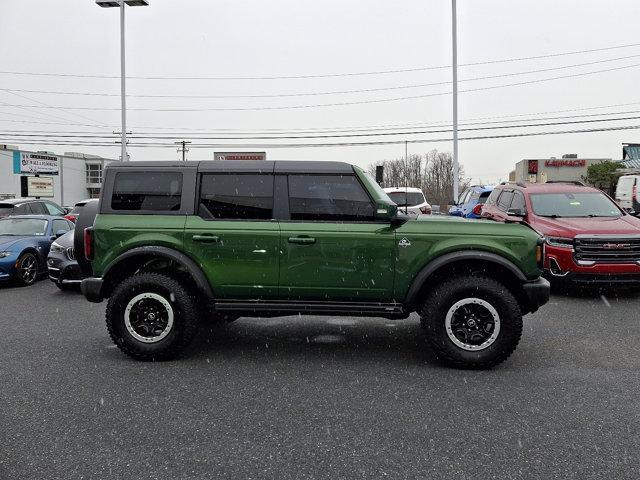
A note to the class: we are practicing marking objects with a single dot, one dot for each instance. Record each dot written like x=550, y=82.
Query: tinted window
x=483, y=197
x=518, y=201
x=37, y=208
x=6, y=209
x=21, y=210
x=147, y=191
x=493, y=197
x=60, y=225
x=400, y=198
x=53, y=209
x=328, y=197
x=236, y=196
x=505, y=200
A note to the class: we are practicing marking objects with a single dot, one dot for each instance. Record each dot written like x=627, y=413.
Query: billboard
x=25, y=162
x=40, y=186
x=240, y=156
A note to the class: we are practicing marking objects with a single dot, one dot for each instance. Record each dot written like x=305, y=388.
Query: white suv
x=410, y=200
x=627, y=192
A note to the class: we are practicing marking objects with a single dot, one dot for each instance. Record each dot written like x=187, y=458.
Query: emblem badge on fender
x=404, y=242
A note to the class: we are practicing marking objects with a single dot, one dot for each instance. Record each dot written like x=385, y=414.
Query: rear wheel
x=27, y=269
x=151, y=316
x=472, y=321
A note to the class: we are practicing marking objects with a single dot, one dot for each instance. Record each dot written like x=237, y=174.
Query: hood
x=65, y=240
x=6, y=241
x=570, y=227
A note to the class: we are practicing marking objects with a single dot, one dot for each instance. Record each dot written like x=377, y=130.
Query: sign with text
x=240, y=156
x=38, y=163
x=565, y=162
x=40, y=186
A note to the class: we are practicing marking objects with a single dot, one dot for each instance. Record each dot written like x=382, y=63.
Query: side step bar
x=273, y=308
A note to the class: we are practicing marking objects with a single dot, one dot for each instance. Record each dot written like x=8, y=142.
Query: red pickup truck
x=588, y=237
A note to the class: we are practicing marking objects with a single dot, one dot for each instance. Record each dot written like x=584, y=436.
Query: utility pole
x=454, y=42
x=182, y=147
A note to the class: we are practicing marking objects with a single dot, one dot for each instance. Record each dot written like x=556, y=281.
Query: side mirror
x=516, y=212
x=59, y=233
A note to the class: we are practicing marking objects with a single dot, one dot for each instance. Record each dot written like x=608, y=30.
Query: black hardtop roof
x=244, y=166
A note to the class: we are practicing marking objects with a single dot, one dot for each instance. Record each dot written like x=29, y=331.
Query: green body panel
x=115, y=234
x=368, y=262
x=245, y=261
x=348, y=261
x=431, y=237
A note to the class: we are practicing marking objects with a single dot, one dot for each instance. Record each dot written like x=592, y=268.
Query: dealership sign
x=240, y=156
x=24, y=162
x=565, y=162
x=40, y=186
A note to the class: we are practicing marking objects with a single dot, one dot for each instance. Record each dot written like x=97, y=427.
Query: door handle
x=206, y=238
x=302, y=240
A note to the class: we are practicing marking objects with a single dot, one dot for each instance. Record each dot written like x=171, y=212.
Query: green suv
x=173, y=243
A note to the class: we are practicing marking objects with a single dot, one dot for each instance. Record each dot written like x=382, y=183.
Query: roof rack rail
x=520, y=184
x=570, y=182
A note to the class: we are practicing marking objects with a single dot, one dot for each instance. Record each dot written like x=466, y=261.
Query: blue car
x=470, y=202
x=25, y=241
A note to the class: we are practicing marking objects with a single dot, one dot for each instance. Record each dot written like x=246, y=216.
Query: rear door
x=234, y=235
x=332, y=247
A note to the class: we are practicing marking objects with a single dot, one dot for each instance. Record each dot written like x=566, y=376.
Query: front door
x=234, y=236
x=332, y=247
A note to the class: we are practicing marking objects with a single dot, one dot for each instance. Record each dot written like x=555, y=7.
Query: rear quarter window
x=147, y=191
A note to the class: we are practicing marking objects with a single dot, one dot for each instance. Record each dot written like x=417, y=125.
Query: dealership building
x=541, y=170
x=65, y=179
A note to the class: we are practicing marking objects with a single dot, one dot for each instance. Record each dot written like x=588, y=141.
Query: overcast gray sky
x=235, y=38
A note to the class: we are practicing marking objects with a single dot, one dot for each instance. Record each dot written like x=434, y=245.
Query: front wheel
x=27, y=269
x=151, y=316
x=472, y=321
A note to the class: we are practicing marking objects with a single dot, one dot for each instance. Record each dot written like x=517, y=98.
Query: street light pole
x=123, y=88
x=454, y=42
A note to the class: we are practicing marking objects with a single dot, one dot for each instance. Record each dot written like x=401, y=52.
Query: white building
x=65, y=179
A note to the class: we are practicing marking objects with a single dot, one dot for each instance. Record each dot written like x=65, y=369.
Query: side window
x=505, y=200
x=518, y=201
x=53, y=209
x=329, y=198
x=21, y=210
x=60, y=225
x=493, y=197
x=474, y=196
x=147, y=191
x=236, y=196
x=37, y=208
x=464, y=197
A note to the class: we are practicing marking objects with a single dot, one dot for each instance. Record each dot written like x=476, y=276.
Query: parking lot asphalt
x=317, y=397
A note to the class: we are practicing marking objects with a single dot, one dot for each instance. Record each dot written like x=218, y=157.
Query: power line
x=294, y=137
x=334, y=92
x=335, y=104
x=341, y=144
x=326, y=75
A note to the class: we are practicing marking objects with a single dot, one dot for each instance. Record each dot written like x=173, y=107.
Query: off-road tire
x=185, y=316
x=445, y=295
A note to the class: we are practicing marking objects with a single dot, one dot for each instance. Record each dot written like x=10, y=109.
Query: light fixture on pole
x=454, y=44
x=123, y=92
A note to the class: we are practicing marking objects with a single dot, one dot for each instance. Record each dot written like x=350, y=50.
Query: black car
x=62, y=265
x=29, y=206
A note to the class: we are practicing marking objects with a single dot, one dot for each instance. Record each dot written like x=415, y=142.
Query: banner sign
x=25, y=162
x=565, y=163
x=40, y=186
x=240, y=156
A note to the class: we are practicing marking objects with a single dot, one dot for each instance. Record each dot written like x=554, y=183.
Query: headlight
x=56, y=248
x=4, y=254
x=560, y=242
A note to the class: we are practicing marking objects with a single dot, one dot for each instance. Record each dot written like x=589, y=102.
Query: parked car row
x=34, y=244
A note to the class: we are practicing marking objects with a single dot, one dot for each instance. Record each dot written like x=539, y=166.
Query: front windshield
x=23, y=226
x=406, y=198
x=592, y=204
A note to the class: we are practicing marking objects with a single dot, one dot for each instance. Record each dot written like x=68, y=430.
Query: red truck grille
x=607, y=249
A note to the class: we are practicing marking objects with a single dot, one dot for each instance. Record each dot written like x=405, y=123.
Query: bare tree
x=432, y=173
